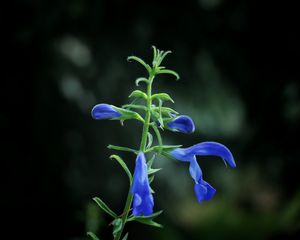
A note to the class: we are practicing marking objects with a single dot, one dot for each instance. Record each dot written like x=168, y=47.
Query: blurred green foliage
x=239, y=82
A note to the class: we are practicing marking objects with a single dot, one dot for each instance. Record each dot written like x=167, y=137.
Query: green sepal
x=163, y=148
x=125, y=237
x=141, y=61
x=141, y=79
x=104, y=207
x=127, y=114
x=92, y=236
x=162, y=97
x=165, y=110
x=123, y=165
x=166, y=152
x=117, y=223
x=138, y=94
x=147, y=219
x=167, y=71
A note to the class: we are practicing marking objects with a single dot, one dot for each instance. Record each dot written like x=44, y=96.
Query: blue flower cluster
x=143, y=202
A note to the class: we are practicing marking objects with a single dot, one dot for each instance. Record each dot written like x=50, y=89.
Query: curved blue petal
x=195, y=170
x=182, y=124
x=142, y=198
x=204, y=191
x=181, y=155
x=104, y=111
x=211, y=149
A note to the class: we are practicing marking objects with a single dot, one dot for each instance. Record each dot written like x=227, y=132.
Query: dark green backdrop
x=239, y=68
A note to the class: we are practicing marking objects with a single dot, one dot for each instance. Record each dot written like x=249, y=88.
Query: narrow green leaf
x=92, y=236
x=151, y=190
x=124, y=149
x=153, y=170
x=162, y=97
x=141, y=61
x=136, y=106
x=150, y=162
x=151, y=223
x=141, y=79
x=138, y=94
x=149, y=140
x=104, y=207
x=154, y=56
x=117, y=223
x=167, y=110
x=163, y=55
x=147, y=219
x=125, y=237
x=167, y=71
x=123, y=165
x=151, y=179
x=149, y=165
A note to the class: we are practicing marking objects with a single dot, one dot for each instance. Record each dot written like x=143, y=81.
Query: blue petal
x=142, y=198
x=104, y=111
x=211, y=149
x=182, y=124
x=140, y=174
x=181, y=155
x=204, y=191
x=195, y=170
x=142, y=206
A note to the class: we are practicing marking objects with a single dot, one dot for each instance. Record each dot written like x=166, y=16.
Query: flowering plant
x=140, y=202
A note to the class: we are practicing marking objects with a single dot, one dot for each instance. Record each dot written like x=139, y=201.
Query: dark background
x=239, y=68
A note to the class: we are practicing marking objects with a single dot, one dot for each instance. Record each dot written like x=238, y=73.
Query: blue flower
x=182, y=124
x=203, y=190
x=142, y=198
x=104, y=111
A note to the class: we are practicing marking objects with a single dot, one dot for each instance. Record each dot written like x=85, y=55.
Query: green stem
x=148, y=115
x=157, y=134
x=142, y=149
